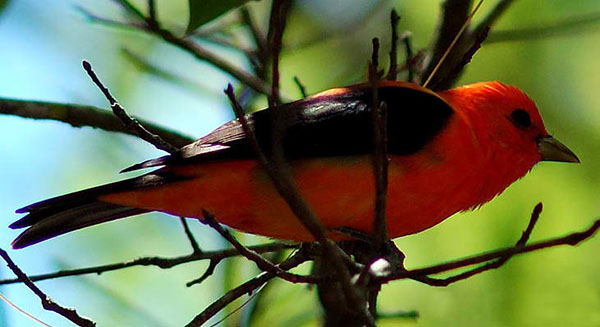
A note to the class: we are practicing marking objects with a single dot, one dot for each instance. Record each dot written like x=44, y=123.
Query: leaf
x=3, y=4
x=203, y=11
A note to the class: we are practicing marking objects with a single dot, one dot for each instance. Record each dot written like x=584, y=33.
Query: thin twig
x=160, y=262
x=212, y=265
x=406, y=39
x=152, y=11
x=452, y=44
x=570, y=239
x=300, y=86
x=47, y=302
x=380, y=158
x=262, y=263
x=453, y=16
x=23, y=312
x=393, y=72
x=245, y=288
x=446, y=81
x=127, y=120
x=190, y=236
x=492, y=16
x=535, y=215
x=80, y=116
x=259, y=39
x=198, y=52
x=278, y=19
x=561, y=27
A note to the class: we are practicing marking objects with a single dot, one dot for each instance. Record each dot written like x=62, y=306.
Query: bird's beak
x=552, y=150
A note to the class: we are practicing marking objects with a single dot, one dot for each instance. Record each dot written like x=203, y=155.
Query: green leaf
x=203, y=11
x=3, y=4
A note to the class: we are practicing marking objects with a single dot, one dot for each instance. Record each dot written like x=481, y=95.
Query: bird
x=449, y=151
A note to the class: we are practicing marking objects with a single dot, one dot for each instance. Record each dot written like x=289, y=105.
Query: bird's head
x=509, y=119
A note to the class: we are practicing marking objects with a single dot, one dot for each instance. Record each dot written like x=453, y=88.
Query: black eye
x=520, y=118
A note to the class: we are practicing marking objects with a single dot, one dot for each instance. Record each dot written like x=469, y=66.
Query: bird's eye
x=520, y=118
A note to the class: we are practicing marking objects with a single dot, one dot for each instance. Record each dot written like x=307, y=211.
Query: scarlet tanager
x=449, y=151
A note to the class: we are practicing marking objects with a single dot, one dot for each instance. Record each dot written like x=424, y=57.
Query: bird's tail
x=63, y=214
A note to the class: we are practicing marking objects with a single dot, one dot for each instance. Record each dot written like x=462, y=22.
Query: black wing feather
x=339, y=124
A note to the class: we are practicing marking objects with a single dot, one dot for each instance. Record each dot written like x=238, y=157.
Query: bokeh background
x=327, y=44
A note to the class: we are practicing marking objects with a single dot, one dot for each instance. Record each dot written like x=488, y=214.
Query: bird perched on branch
x=449, y=151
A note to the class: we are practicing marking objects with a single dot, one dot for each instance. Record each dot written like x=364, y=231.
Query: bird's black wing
x=333, y=123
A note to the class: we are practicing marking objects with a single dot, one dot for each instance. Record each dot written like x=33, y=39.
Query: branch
x=246, y=288
x=79, y=116
x=127, y=120
x=445, y=82
x=47, y=302
x=454, y=14
x=197, y=51
x=393, y=71
x=535, y=215
x=262, y=263
x=570, y=239
x=490, y=19
x=277, y=22
x=568, y=25
x=190, y=236
x=300, y=86
x=380, y=158
x=160, y=262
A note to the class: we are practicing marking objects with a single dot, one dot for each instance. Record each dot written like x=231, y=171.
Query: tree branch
x=570, y=239
x=80, y=116
x=535, y=215
x=160, y=262
x=198, y=52
x=246, y=288
x=127, y=120
x=560, y=27
x=47, y=302
x=262, y=263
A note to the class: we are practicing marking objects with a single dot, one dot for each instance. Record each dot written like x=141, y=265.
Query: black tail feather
x=46, y=226
x=56, y=216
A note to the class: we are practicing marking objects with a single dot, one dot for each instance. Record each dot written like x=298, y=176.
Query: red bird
x=449, y=152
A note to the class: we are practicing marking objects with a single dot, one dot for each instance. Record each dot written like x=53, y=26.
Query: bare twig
x=190, y=236
x=152, y=11
x=279, y=13
x=453, y=16
x=450, y=48
x=197, y=51
x=380, y=158
x=160, y=262
x=406, y=39
x=446, y=81
x=535, y=215
x=127, y=120
x=262, y=52
x=560, y=27
x=47, y=302
x=79, y=116
x=393, y=72
x=492, y=16
x=246, y=288
x=300, y=86
x=570, y=239
x=262, y=263
x=212, y=265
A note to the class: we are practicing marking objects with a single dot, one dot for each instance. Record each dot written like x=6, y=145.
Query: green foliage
x=203, y=11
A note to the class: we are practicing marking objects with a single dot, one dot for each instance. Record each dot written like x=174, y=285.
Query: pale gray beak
x=552, y=150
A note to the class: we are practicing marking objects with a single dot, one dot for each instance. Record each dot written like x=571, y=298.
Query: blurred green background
x=327, y=44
